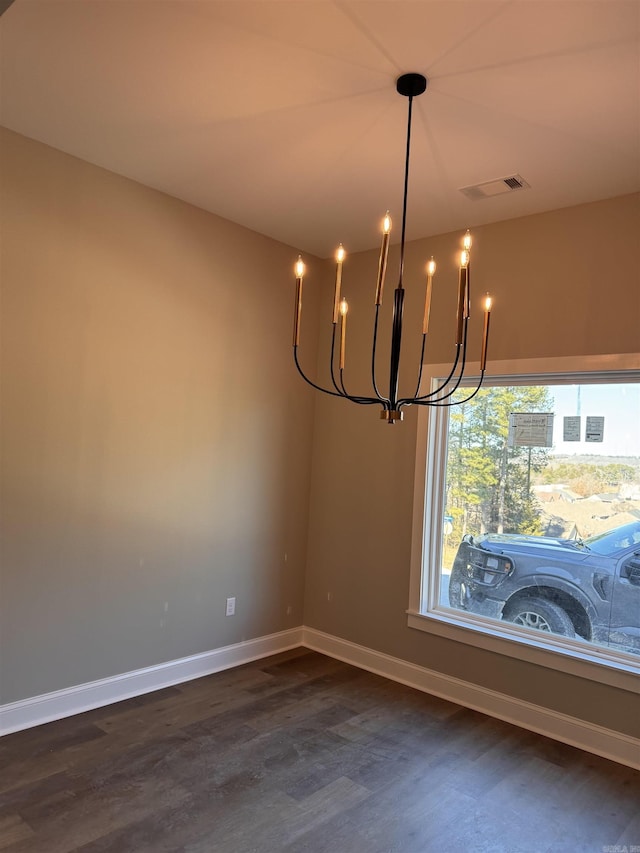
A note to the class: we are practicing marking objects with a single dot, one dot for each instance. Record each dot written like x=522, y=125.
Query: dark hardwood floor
x=300, y=752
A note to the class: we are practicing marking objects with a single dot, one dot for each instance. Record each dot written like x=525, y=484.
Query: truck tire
x=457, y=597
x=540, y=614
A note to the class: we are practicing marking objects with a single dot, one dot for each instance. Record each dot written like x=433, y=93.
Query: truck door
x=624, y=627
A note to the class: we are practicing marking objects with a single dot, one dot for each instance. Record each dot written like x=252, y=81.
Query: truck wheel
x=457, y=589
x=540, y=614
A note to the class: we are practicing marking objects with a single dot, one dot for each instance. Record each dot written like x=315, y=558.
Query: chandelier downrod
x=410, y=86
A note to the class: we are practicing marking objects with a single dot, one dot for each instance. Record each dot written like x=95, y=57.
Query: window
x=527, y=513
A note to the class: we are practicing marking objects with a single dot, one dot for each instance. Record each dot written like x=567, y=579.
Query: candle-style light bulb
x=431, y=269
x=463, y=289
x=340, y=256
x=464, y=263
x=297, y=310
x=384, y=251
x=488, y=301
x=344, y=308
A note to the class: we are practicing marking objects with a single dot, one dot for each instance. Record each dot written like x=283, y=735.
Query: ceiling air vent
x=491, y=188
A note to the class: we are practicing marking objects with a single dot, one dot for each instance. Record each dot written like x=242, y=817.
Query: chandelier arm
x=363, y=401
x=454, y=388
x=416, y=395
x=308, y=381
x=426, y=399
x=340, y=389
x=331, y=362
x=458, y=402
x=384, y=400
x=339, y=393
x=455, y=363
x=407, y=401
x=439, y=400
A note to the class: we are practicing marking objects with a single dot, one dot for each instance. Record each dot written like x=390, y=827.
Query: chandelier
x=410, y=86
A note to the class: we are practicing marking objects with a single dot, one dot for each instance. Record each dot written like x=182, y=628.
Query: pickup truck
x=575, y=588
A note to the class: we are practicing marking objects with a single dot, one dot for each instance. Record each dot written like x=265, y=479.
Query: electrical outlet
x=231, y=607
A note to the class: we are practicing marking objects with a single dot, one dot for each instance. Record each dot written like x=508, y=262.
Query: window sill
x=622, y=672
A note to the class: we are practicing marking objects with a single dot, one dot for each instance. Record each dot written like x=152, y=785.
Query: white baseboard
x=591, y=738
x=83, y=697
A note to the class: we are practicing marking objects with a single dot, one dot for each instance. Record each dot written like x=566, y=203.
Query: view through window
x=541, y=510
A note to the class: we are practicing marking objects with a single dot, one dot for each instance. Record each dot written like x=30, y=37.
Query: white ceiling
x=283, y=116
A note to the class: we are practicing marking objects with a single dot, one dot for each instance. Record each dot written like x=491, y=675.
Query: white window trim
x=621, y=671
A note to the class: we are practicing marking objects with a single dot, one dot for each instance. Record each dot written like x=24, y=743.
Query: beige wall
x=156, y=440
x=565, y=283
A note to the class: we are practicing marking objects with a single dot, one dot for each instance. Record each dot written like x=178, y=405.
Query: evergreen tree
x=488, y=482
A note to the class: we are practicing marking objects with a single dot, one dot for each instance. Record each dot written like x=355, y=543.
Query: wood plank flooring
x=302, y=753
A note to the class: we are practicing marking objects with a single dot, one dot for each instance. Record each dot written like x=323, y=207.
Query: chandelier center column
x=409, y=85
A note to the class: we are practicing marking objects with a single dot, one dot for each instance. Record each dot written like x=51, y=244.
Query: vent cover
x=497, y=187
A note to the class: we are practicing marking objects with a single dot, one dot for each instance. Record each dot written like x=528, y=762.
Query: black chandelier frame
x=410, y=86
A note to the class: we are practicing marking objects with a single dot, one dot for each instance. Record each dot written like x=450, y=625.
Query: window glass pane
x=541, y=509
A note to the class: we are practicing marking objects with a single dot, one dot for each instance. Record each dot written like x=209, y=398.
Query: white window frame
x=424, y=613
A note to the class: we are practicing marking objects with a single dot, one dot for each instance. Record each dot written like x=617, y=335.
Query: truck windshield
x=612, y=541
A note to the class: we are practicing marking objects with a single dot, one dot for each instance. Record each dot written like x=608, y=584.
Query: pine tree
x=488, y=482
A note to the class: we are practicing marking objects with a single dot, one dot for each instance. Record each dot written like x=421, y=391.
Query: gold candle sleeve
x=485, y=333
x=340, y=256
x=384, y=252
x=343, y=331
x=462, y=291
x=467, y=295
x=431, y=268
x=297, y=309
x=297, y=313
